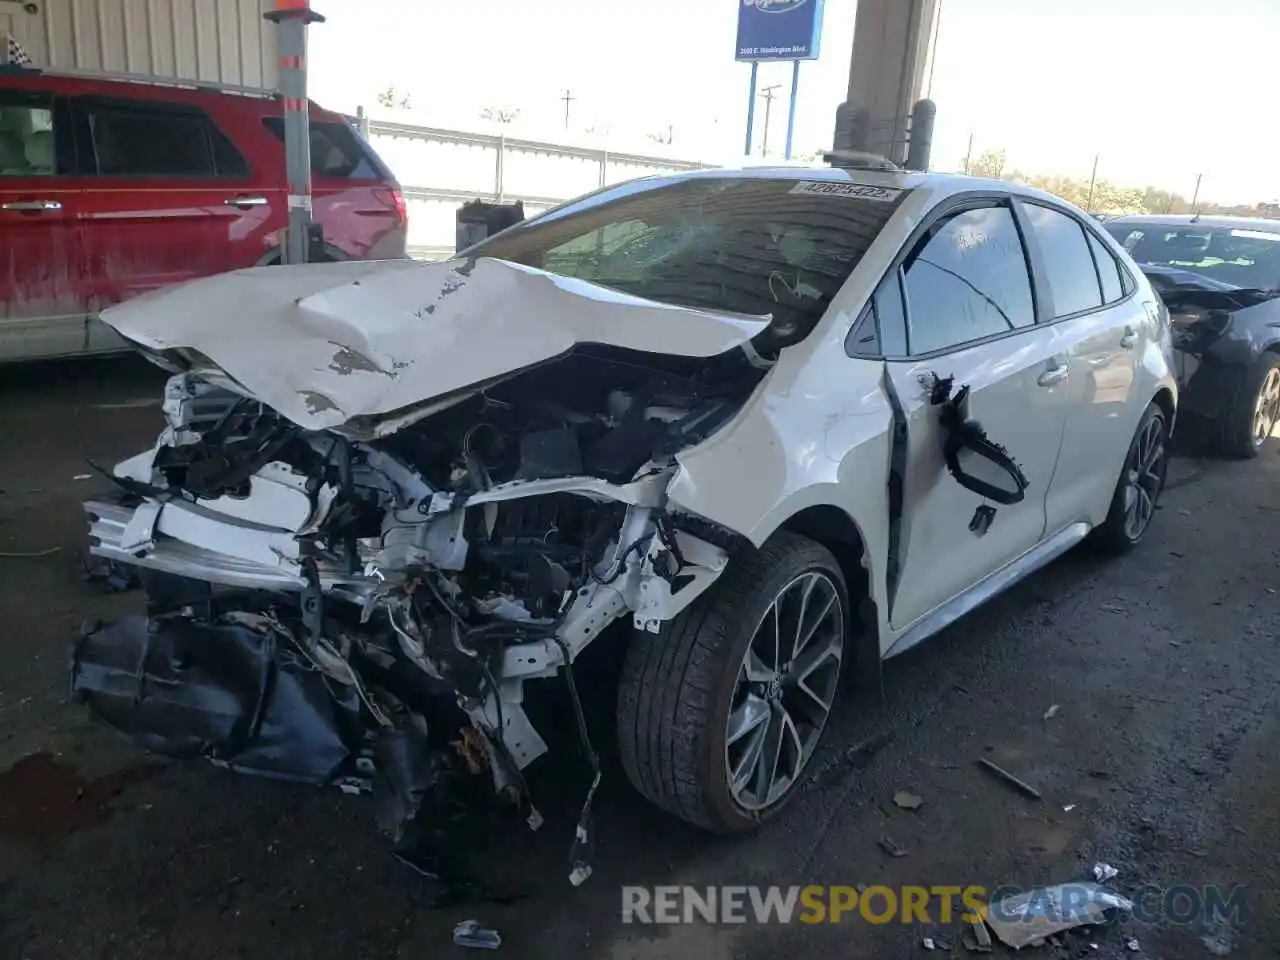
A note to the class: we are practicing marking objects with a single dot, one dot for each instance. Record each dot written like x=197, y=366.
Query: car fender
x=775, y=459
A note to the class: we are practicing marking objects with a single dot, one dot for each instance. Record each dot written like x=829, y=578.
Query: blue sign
x=779, y=29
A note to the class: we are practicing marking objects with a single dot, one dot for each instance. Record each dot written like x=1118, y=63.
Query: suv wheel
x=719, y=714
x=1256, y=410
x=1133, y=506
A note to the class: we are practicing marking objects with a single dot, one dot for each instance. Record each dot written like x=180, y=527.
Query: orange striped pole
x=291, y=18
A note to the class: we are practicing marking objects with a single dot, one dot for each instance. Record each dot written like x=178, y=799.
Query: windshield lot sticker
x=853, y=191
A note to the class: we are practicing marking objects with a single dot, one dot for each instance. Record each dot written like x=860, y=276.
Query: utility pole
x=1196, y=196
x=968, y=154
x=1093, y=179
x=568, y=98
x=768, y=93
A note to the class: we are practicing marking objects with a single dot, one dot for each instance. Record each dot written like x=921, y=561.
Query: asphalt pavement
x=1138, y=697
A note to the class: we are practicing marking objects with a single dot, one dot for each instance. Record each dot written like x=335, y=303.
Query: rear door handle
x=245, y=203
x=31, y=206
x=1129, y=339
x=1056, y=372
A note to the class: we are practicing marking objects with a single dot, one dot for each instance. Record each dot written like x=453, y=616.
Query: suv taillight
x=394, y=199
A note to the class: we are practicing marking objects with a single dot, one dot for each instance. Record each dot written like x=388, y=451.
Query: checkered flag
x=17, y=56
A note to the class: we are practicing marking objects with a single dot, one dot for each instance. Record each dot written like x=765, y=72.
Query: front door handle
x=1056, y=372
x=245, y=203
x=31, y=206
x=1129, y=339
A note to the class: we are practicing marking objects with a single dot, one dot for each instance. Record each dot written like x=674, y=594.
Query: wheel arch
x=1165, y=401
x=834, y=529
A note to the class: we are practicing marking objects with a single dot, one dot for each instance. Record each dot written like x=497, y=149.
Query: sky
x=1158, y=90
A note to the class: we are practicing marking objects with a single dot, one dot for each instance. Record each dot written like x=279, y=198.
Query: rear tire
x=1138, y=490
x=1257, y=409
x=709, y=666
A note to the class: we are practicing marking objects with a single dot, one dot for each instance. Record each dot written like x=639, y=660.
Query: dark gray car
x=1220, y=278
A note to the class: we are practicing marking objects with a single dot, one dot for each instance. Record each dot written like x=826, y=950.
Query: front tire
x=720, y=713
x=1255, y=412
x=1133, y=505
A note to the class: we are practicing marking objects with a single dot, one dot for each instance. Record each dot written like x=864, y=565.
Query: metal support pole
x=499, y=184
x=1093, y=180
x=291, y=18
x=791, y=111
x=751, y=105
x=363, y=122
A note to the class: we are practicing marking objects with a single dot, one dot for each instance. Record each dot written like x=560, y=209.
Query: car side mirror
x=977, y=462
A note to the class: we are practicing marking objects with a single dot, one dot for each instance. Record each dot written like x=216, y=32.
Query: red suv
x=111, y=188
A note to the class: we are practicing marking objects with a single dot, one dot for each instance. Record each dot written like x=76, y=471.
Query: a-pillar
x=892, y=44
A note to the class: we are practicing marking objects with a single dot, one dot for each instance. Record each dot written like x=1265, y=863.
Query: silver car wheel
x=1144, y=477
x=785, y=689
x=1266, y=409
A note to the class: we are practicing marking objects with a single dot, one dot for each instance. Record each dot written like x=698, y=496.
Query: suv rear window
x=132, y=140
x=740, y=244
x=336, y=151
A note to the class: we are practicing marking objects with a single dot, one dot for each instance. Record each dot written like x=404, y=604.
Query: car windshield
x=736, y=244
x=1237, y=255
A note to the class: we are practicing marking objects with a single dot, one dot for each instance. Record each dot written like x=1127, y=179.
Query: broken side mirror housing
x=977, y=462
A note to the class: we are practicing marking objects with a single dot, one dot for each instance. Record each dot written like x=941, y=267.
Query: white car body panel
x=1027, y=419
x=325, y=344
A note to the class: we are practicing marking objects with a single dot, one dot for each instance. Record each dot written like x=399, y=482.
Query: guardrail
x=612, y=167
x=502, y=146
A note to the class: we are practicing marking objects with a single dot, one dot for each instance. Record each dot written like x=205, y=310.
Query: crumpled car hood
x=327, y=344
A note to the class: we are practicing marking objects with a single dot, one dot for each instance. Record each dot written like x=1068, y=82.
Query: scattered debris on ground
x=928, y=943
x=1052, y=712
x=469, y=933
x=1102, y=872
x=888, y=846
x=1010, y=778
x=1037, y=914
x=1132, y=945
x=977, y=939
x=907, y=801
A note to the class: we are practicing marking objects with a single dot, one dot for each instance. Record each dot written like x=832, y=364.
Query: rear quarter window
x=336, y=152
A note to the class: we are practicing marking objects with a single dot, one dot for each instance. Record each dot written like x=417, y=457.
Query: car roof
x=940, y=183
x=1191, y=220
x=164, y=90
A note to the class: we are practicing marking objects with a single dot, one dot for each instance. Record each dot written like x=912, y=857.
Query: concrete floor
x=1165, y=667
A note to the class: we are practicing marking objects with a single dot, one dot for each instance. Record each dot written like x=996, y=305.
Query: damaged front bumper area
x=365, y=612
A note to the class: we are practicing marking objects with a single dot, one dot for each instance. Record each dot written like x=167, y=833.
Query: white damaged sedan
x=765, y=428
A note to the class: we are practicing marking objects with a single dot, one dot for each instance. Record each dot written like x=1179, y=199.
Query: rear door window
x=1109, y=271
x=138, y=140
x=28, y=147
x=1069, y=268
x=336, y=151
x=968, y=280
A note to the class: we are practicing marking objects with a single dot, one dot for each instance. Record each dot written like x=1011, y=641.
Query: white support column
x=892, y=44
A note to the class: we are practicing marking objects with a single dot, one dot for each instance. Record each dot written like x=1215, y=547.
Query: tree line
x=1103, y=196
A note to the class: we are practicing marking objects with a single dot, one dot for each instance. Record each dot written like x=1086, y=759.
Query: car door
x=967, y=303
x=1103, y=331
x=169, y=199
x=43, y=298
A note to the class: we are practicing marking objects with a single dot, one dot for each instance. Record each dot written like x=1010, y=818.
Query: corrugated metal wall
x=224, y=41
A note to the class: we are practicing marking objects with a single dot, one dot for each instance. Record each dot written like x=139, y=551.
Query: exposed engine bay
x=364, y=610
